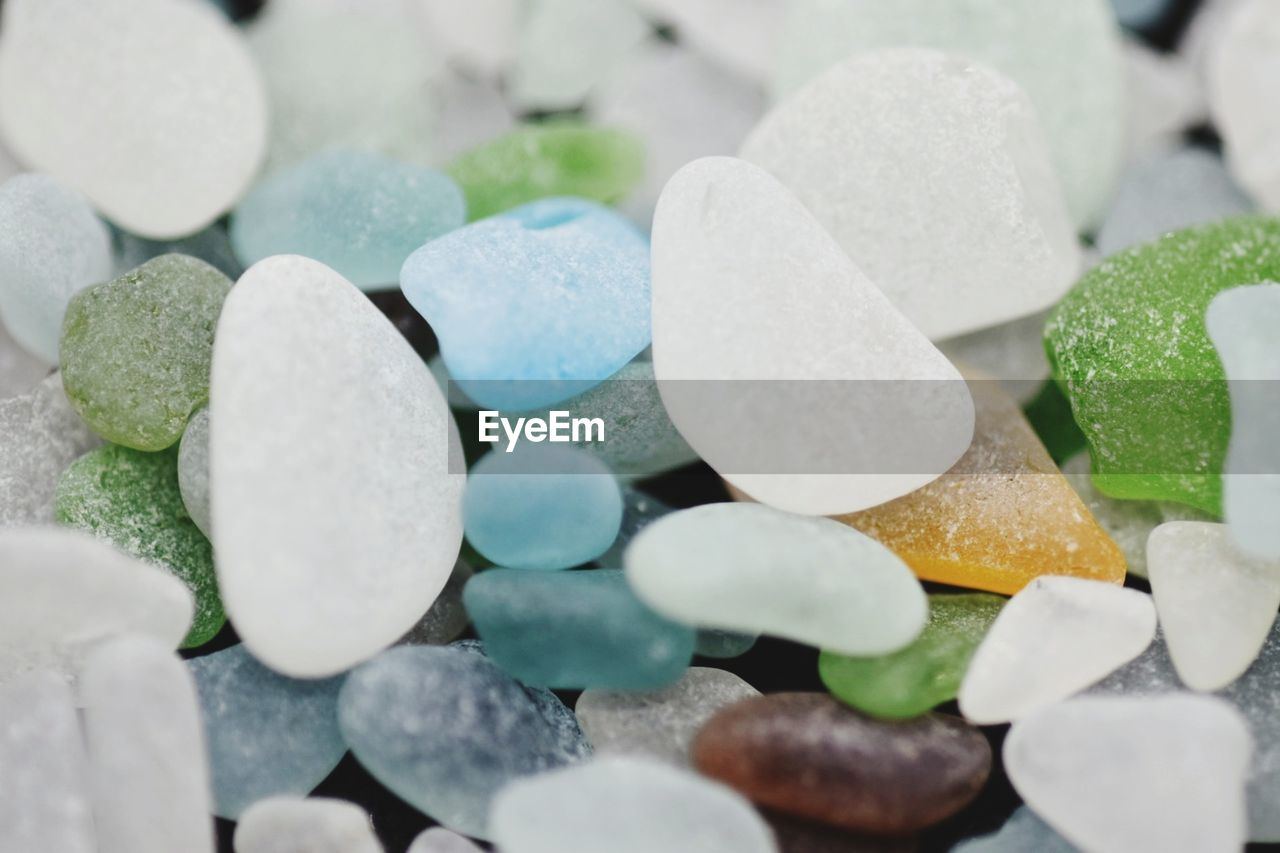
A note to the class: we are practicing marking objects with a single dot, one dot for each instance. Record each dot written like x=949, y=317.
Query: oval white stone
x=336, y=518
x=151, y=108
x=313, y=824
x=746, y=567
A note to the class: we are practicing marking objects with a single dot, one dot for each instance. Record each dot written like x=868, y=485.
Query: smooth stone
x=1168, y=190
x=807, y=755
x=1177, y=764
x=611, y=804
x=730, y=244
x=1216, y=606
x=356, y=211
x=681, y=105
x=54, y=247
x=658, y=724
x=1241, y=75
x=336, y=471
x=42, y=436
x=346, y=100
x=1129, y=348
x=561, y=158
x=956, y=530
x=146, y=748
x=536, y=304
x=1053, y=639
x=212, y=245
x=440, y=840
x=564, y=47
x=20, y=371
x=446, y=618
x=1011, y=352
x=1023, y=832
x=162, y=124
x=135, y=351
x=639, y=510
x=1242, y=325
x=714, y=643
x=305, y=825
x=479, y=35
x=267, y=734
x=61, y=591
x=879, y=138
x=541, y=507
x=741, y=35
x=1066, y=56
x=1128, y=523
x=47, y=803
x=575, y=630
x=914, y=680
x=1166, y=98
x=193, y=469
x=445, y=728
x=746, y=567
x=131, y=500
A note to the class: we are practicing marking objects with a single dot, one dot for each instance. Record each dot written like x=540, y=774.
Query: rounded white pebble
x=310, y=825
x=437, y=839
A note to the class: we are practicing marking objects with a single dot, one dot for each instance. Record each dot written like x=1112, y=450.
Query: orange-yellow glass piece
x=1002, y=515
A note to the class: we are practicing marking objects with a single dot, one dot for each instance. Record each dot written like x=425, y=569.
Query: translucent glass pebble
x=550, y=298
x=47, y=802
x=313, y=824
x=1023, y=832
x=211, y=245
x=1181, y=780
x=372, y=91
x=267, y=734
x=575, y=630
x=1129, y=347
x=747, y=567
x=162, y=125
x=1139, y=13
x=146, y=750
x=564, y=47
x=469, y=113
x=437, y=839
x=541, y=507
x=337, y=512
x=1012, y=352
x=446, y=618
x=54, y=247
x=1166, y=98
x=1065, y=55
x=42, y=436
x=62, y=590
x=193, y=469
x=877, y=139
x=729, y=244
x=1216, y=606
x=611, y=804
x=1168, y=190
x=1053, y=639
x=1242, y=323
x=536, y=161
x=131, y=499
x=926, y=673
x=956, y=530
x=715, y=643
x=1242, y=75
x=658, y=724
x=445, y=728
x=479, y=35
x=358, y=212
x=1128, y=523
x=135, y=351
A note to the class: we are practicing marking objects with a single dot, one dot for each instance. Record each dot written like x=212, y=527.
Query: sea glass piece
x=658, y=724
x=1052, y=640
x=1139, y=13
x=211, y=245
x=914, y=680
x=42, y=436
x=884, y=135
x=20, y=371
x=469, y=112
x=1024, y=831
x=131, y=499
x=742, y=35
x=611, y=804
x=732, y=343
x=1012, y=352
x=446, y=618
x=715, y=643
x=955, y=530
x=1129, y=347
x=561, y=158
x=54, y=247
x=445, y=728
x=575, y=630
x=356, y=211
x=313, y=824
x=1166, y=97
x=193, y=469
x=336, y=471
x=1182, y=779
x=267, y=735
x=437, y=839
x=746, y=567
x=479, y=35
x=1128, y=523
x=154, y=110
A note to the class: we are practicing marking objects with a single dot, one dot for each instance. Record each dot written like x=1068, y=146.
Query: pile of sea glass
x=260, y=270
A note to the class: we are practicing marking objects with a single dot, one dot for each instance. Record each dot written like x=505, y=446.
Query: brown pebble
x=807, y=755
